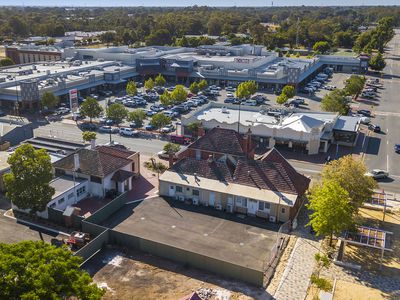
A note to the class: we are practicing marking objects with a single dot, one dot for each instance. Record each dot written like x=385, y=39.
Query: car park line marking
x=387, y=162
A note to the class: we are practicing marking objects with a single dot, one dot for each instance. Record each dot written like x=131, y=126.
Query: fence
x=103, y=213
x=56, y=216
x=94, y=246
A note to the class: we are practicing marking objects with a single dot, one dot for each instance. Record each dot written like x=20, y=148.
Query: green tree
x=160, y=120
x=246, y=89
x=349, y=174
x=88, y=136
x=171, y=148
x=108, y=37
x=4, y=62
x=335, y=101
x=354, y=85
x=38, y=270
x=289, y=91
x=193, y=127
x=149, y=84
x=194, y=87
x=131, y=88
x=321, y=47
x=90, y=108
x=116, y=112
x=165, y=99
x=203, y=84
x=179, y=94
x=331, y=209
x=49, y=100
x=281, y=99
x=137, y=116
x=160, y=80
x=377, y=62
x=27, y=184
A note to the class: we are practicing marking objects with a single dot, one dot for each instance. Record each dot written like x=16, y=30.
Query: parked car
x=229, y=100
x=364, y=112
x=180, y=139
x=230, y=89
x=150, y=113
x=164, y=155
x=169, y=113
x=374, y=127
x=377, y=174
x=365, y=120
x=149, y=127
x=62, y=111
x=397, y=148
x=168, y=128
x=88, y=126
x=128, y=131
x=108, y=129
x=250, y=102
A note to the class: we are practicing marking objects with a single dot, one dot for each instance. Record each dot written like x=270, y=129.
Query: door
x=211, y=201
x=229, y=204
x=171, y=191
x=252, y=207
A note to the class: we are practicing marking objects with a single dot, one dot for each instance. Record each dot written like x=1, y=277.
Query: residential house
x=267, y=187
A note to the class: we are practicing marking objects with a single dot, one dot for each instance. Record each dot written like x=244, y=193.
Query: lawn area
x=344, y=53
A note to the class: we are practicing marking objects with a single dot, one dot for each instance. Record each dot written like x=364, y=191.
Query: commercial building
x=230, y=179
x=310, y=132
x=27, y=54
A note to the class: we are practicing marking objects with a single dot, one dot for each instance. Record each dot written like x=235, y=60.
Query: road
x=380, y=153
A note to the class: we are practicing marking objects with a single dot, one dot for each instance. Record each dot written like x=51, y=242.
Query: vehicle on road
x=62, y=110
x=374, y=128
x=149, y=127
x=397, y=148
x=125, y=131
x=180, y=139
x=168, y=128
x=377, y=174
x=88, y=126
x=229, y=100
x=164, y=155
x=108, y=129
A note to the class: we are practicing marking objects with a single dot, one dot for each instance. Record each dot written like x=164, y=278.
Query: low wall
x=56, y=216
x=94, y=246
x=193, y=259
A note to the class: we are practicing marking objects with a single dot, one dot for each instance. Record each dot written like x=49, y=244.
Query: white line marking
x=387, y=162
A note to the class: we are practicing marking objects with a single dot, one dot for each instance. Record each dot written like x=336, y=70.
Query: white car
x=250, y=103
x=230, y=95
x=365, y=120
x=168, y=128
x=62, y=110
x=377, y=174
x=128, y=131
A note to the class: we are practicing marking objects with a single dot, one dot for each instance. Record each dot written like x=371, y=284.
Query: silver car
x=377, y=174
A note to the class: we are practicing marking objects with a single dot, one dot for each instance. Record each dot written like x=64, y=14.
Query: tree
x=88, y=136
x=288, y=91
x=137, y=116
x=38, y=270
x=116, y=112
x=349, y=174
x=108, y=37
x=27, y=184
x=179, y=94
x=194, y=127
x=321, y=47
x=171, y=148
x=159, y=120
x=165, y=99
x=149, y=84
x=90, y=108
x=160, y=80
x=377, y=62
x=281, y=99
x=331, y=209
x=202, y=84
x=246, y=89
x=194, y=87
x=354, y=85
x=4, y=62
x=335, y=101
x=131, y=88
x=49, y=100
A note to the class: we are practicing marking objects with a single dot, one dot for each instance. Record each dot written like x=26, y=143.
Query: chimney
x=200, y=131
x=248, y=144
x=76, y=162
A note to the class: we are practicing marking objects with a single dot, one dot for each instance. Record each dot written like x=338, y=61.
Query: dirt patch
x=144, y=276
x=2, y=52
x=353, y=291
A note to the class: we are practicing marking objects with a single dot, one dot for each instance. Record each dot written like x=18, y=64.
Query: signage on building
x=73, y=100
x=242, y=60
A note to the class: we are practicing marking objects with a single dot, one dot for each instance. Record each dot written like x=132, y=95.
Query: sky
x=198, y=2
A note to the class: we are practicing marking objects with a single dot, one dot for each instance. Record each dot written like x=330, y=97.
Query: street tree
x=194, y=87
x=5, y=62
x=171, y=148
x=179, y=94
x=90, y=108
x=88, y=136
x=331, y=211
x=281, y=99
x=377, y=62
x=149, y=84
x=160, y=120
x=246, y=89
x=203, y=84
x=38, y=270
x=335, y=101
x=160, y=80
x=349, y=174
x=27, y=183
x=288, y=91
x=321, y=47
x=49, y=100
x=354, y=85
x=117, y=113
x=137, y=116
x=131, y=88
x=166, y=99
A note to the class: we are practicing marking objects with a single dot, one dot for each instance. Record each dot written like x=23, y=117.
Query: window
x=242, y=202
x=283, y=210
x=52, y=205
x=178, y=189
x=95, y=179
x=70, y=196
x=62, y=200
x=59, y=172
x=263, y=205
x=196, y=192
x=81, y=191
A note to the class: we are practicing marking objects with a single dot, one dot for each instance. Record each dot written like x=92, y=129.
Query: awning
x=122, y=175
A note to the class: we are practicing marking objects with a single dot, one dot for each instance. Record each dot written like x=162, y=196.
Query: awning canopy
x=122, y=175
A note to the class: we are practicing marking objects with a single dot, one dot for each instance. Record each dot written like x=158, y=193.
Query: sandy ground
x=352, y=291
x=144, y=276
x=2, y=52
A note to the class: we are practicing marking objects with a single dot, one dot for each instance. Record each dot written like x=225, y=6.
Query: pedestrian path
x=295, y=280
